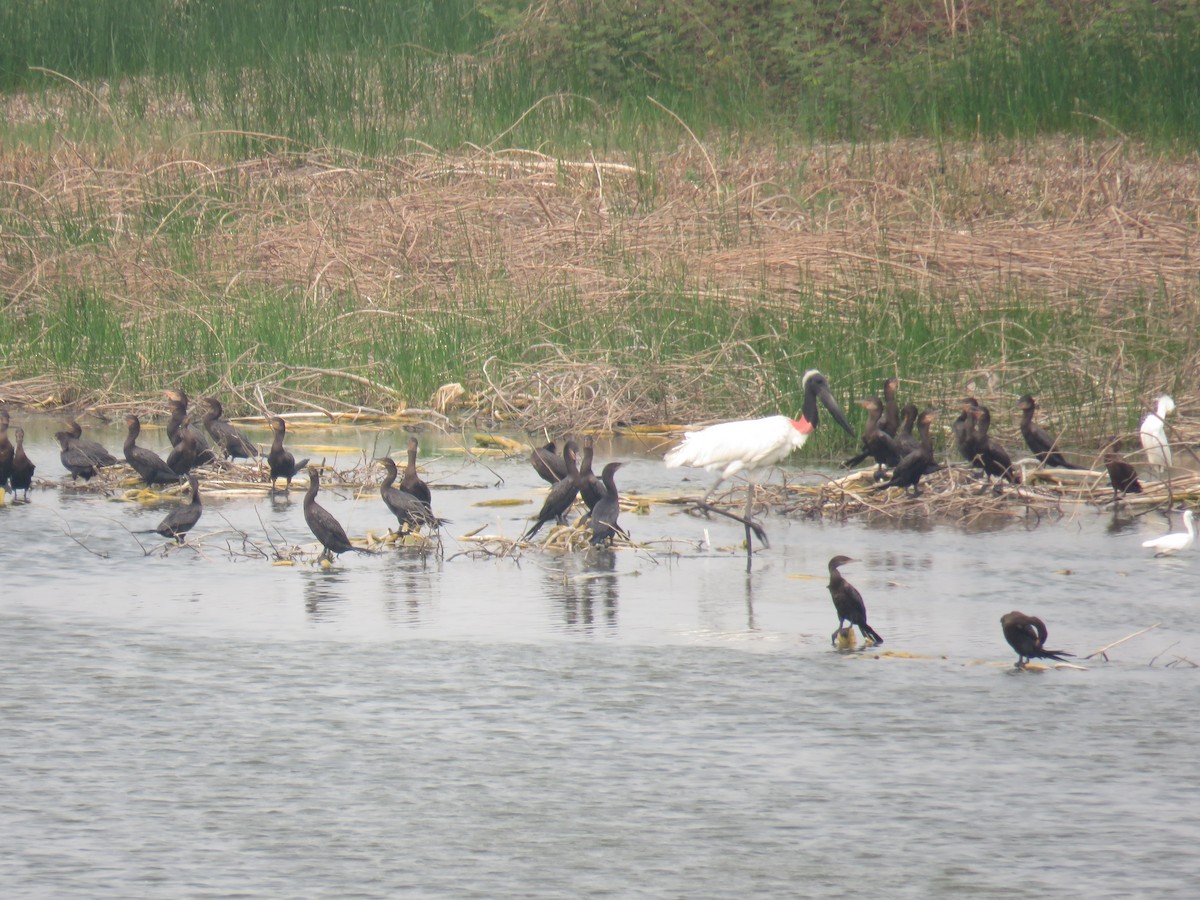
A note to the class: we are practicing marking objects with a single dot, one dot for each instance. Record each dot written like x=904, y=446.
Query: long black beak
x=826, y=398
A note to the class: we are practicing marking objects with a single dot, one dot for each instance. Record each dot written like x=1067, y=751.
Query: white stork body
x=744, y=446
x=1154, y=434
x=1177, y=540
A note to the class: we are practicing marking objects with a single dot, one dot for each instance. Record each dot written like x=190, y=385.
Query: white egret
x=748, y=445
x=1176, y=540
x=1154, y=434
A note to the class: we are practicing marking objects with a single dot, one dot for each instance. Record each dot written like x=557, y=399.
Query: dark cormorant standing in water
x=548, y=464
x=877, y=442
x=562, y=494
x=281, y=461
x=591, y=488
x=185, y=455
x=182, y=519
x=908, y=472
x=231, y=441
x=988, y=454
x=410, y=512
x=1027, y=635
x=148, y=464
x=607, y=508
x=178, y=424
x=325, y=528
x=1121, y=475
x=411, y=483
x=20, y=475
x=95, y=451
x=1037, y=439
x=848, y=602
x=6, y=450
x=74, y=460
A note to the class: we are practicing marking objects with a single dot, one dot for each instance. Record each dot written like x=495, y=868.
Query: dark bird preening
x=325, y=528
x=74, y=460
x=228, y=437
x=281, y=462
x=179, y=521
x=1027, y=635
x=848, y=602
x=546, y=461
x=94, y=450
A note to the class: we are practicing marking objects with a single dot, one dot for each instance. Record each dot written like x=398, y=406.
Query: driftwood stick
x=1103, y=650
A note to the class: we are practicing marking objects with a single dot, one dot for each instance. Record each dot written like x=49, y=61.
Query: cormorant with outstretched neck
x=964, y=429
x=6, y=450
x=411, y=483
x=178, y=424
x=591, y=488
x=280, y=460
x=148, y=464
x=1121, y=475
x=909, y=471
x=1037, y=439
x=848, y=602
x=607, y=508
x=410, y=512
x=987, y=453
x=1027, y=635
x=179, y=521
x=325, y=528
x=226, y=436
x=562, y=494
x=94, y=450
x=74, y=460
x=905, y=442
x=890, y=421
x=20, y=475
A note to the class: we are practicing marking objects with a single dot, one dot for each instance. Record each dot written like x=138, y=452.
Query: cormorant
x=562, y=494
x=182, y=519
x=1121, y=475
x=20, y=475
x=231, y=441
x=325, y=528
x=848, y=602
x=548, y=464
x=185, y=455
x=878, y=443
x=988, y=454
x=607, y=508
x=411, y=483
x=148, y=464
x=591, y=488
x=178, y=423
x=6, y=450
x=410, y=512
x=1027, y=635
x=1037, y=439
x=905, y=442
x=74, y=460
x=890, y=421
x=281, y=461
x=95, y=451
x=908, y=472
x=964, y=429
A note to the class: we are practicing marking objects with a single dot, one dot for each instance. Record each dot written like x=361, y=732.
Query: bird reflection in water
x=587, y=599
x=324, y=590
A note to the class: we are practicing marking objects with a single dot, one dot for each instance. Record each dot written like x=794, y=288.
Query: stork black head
x=816, y=387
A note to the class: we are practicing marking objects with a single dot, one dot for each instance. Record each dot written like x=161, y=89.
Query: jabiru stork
x=748, y=445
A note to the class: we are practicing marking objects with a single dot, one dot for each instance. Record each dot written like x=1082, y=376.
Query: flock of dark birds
x=901, y=459
x=409, y=499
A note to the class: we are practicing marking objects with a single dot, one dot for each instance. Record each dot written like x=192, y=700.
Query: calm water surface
x=629, y=724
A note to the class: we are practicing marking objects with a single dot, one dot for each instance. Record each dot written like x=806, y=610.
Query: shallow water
x=606, y=724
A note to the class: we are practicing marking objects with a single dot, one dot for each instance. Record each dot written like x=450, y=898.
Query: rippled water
x=628, y=724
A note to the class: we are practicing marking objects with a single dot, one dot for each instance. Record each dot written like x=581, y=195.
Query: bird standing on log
x=1027, y=635
x=848, y=602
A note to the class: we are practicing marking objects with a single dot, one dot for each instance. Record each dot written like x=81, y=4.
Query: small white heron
x=748, y=445
x=1154, y=434
x=1176, y=540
